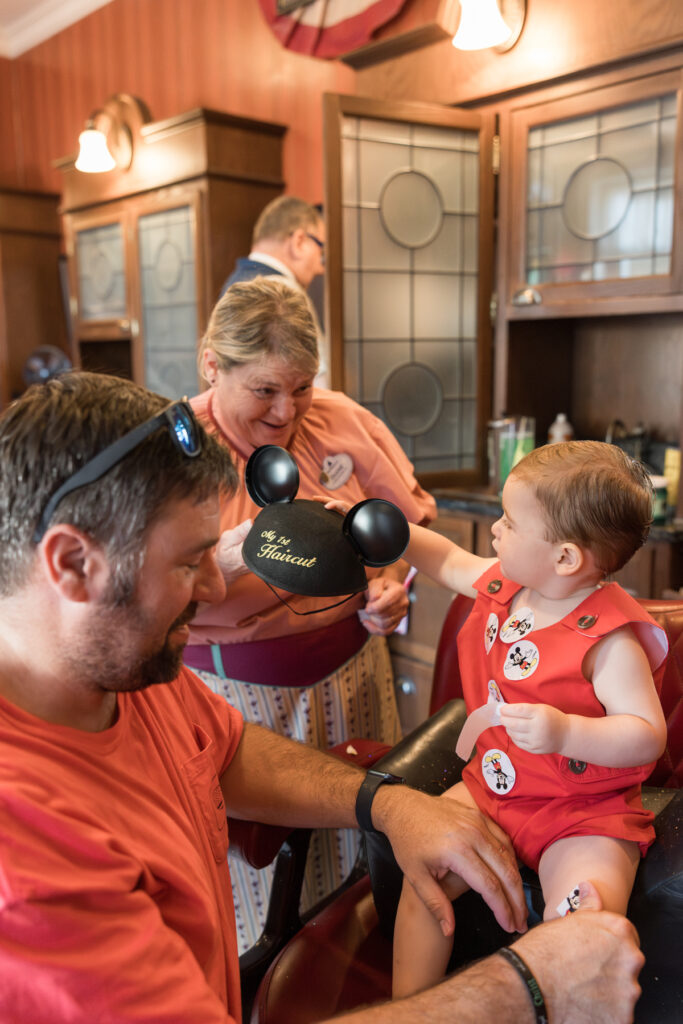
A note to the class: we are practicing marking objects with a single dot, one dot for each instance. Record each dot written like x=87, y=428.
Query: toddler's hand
x=538, y=728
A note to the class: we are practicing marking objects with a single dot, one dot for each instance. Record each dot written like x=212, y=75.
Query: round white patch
x=517, y=625
x=521, y=660
x=336, y=470
x=491, y=631
x=494, y=692
x=498, y=771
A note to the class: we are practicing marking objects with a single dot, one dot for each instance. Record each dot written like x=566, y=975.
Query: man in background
x=288, y=242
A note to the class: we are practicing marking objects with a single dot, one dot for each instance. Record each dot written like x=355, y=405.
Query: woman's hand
x=229, y=551
x=386, y=604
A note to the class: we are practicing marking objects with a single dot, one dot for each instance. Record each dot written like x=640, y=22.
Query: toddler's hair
x=592, y=494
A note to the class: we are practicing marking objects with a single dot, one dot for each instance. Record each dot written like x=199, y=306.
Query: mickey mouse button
x=521, y=660
x=517, y=625
x=498, y=771
x=491, y=631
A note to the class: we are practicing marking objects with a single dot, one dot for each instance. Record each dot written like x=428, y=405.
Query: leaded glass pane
x=169, y=301
x=101, y=273
x=410, y=251
x=599, y=194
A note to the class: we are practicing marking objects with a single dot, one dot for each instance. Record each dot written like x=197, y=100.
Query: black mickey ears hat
x=304, y=548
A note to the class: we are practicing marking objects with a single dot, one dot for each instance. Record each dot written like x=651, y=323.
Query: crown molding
x=40, y=21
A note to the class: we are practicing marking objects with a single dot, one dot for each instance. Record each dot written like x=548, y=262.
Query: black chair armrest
x=656, y=909
x=427, y=760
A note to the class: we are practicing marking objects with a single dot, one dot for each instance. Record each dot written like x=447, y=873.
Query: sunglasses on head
x=178, y=418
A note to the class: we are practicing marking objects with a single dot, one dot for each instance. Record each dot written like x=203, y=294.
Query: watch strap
x=366, y=794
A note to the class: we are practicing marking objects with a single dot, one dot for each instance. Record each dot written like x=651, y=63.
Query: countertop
x=481, y=502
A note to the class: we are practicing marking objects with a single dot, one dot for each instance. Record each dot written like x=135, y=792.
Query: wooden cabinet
x=149, y=248
x=595, y=189
x=32, y=308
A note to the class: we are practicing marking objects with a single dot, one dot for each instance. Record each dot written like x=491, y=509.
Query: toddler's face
x=519, y=536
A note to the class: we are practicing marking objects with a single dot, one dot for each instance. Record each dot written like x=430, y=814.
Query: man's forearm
x=281, y=782
x=489, y=990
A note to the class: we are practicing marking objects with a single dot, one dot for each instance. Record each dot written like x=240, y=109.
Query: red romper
x=540, y=798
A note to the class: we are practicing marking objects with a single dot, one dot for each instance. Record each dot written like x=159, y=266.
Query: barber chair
x=341, y=957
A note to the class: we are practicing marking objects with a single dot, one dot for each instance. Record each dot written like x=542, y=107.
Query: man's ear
x=570, y=559
x=73, y=563
x=295, y=243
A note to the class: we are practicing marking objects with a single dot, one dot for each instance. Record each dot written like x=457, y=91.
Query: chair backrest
x=669, y=614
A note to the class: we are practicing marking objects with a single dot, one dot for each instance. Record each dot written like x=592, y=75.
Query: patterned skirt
x=357, y=700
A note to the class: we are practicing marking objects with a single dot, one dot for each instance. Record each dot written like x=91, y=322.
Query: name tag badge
x=336, y=470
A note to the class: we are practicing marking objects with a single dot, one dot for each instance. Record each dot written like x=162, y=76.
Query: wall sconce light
x=489, y=23
x=107, y=142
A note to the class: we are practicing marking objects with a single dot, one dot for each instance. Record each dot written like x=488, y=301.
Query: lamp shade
x=481, y=25
x=94, y=156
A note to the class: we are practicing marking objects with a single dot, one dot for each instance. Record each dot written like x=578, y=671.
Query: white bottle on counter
x=560, y=429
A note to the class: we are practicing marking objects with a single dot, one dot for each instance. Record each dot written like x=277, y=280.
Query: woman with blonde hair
x=320, y=678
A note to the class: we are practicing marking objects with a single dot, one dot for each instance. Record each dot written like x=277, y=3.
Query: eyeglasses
x=182, y=426
x=319, y=243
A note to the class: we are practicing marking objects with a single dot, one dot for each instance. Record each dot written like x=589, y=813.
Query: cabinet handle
x=406, y=686
x=527, y=297
x=124, y=325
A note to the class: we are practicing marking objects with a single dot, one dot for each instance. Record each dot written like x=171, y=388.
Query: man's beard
x=106, y=657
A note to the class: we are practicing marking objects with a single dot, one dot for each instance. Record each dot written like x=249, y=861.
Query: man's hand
x=386, y=604
x=431, y=836
x=229, y=551
x=539, y=728
x=587, y=966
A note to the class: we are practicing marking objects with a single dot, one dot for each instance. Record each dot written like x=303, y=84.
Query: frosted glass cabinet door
x=101, y=271
x=169, y=301
x=410, y=197
x=593, y=181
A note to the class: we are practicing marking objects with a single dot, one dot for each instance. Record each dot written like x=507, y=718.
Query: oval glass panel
x=596, y=198
x=411, y=209
x=412, y=398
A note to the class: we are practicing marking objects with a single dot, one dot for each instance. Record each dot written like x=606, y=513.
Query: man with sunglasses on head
x=288, y=242
x=117, y=764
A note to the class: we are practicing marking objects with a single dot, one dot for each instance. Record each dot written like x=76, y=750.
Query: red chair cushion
x=338, y=961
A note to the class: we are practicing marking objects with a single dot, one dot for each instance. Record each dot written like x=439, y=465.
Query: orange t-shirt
x=114, y=887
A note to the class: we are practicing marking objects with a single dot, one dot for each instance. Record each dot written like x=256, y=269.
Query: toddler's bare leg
x=421, y=950
x=608, y=864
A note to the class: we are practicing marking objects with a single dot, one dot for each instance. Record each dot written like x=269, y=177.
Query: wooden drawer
x=413, y=680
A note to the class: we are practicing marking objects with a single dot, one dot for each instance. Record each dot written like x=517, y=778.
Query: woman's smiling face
x=263, y=402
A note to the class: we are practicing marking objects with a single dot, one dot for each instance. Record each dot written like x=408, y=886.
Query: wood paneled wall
x=560, y=38
x=180, y=54
x=175, y=55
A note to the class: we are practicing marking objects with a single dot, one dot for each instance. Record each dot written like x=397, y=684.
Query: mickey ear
x=271, y=475
x=378, y=530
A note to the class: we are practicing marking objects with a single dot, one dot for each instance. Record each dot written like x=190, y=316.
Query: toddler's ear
x=570, y=559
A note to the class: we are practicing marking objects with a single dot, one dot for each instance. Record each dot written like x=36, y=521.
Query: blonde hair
x=282, y=217
x=593, y=495
x=259, y=318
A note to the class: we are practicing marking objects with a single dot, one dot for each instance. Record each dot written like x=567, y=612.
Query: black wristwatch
x=366, y=794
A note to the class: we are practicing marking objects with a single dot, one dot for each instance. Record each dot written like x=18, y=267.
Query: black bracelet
x=532, y=985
